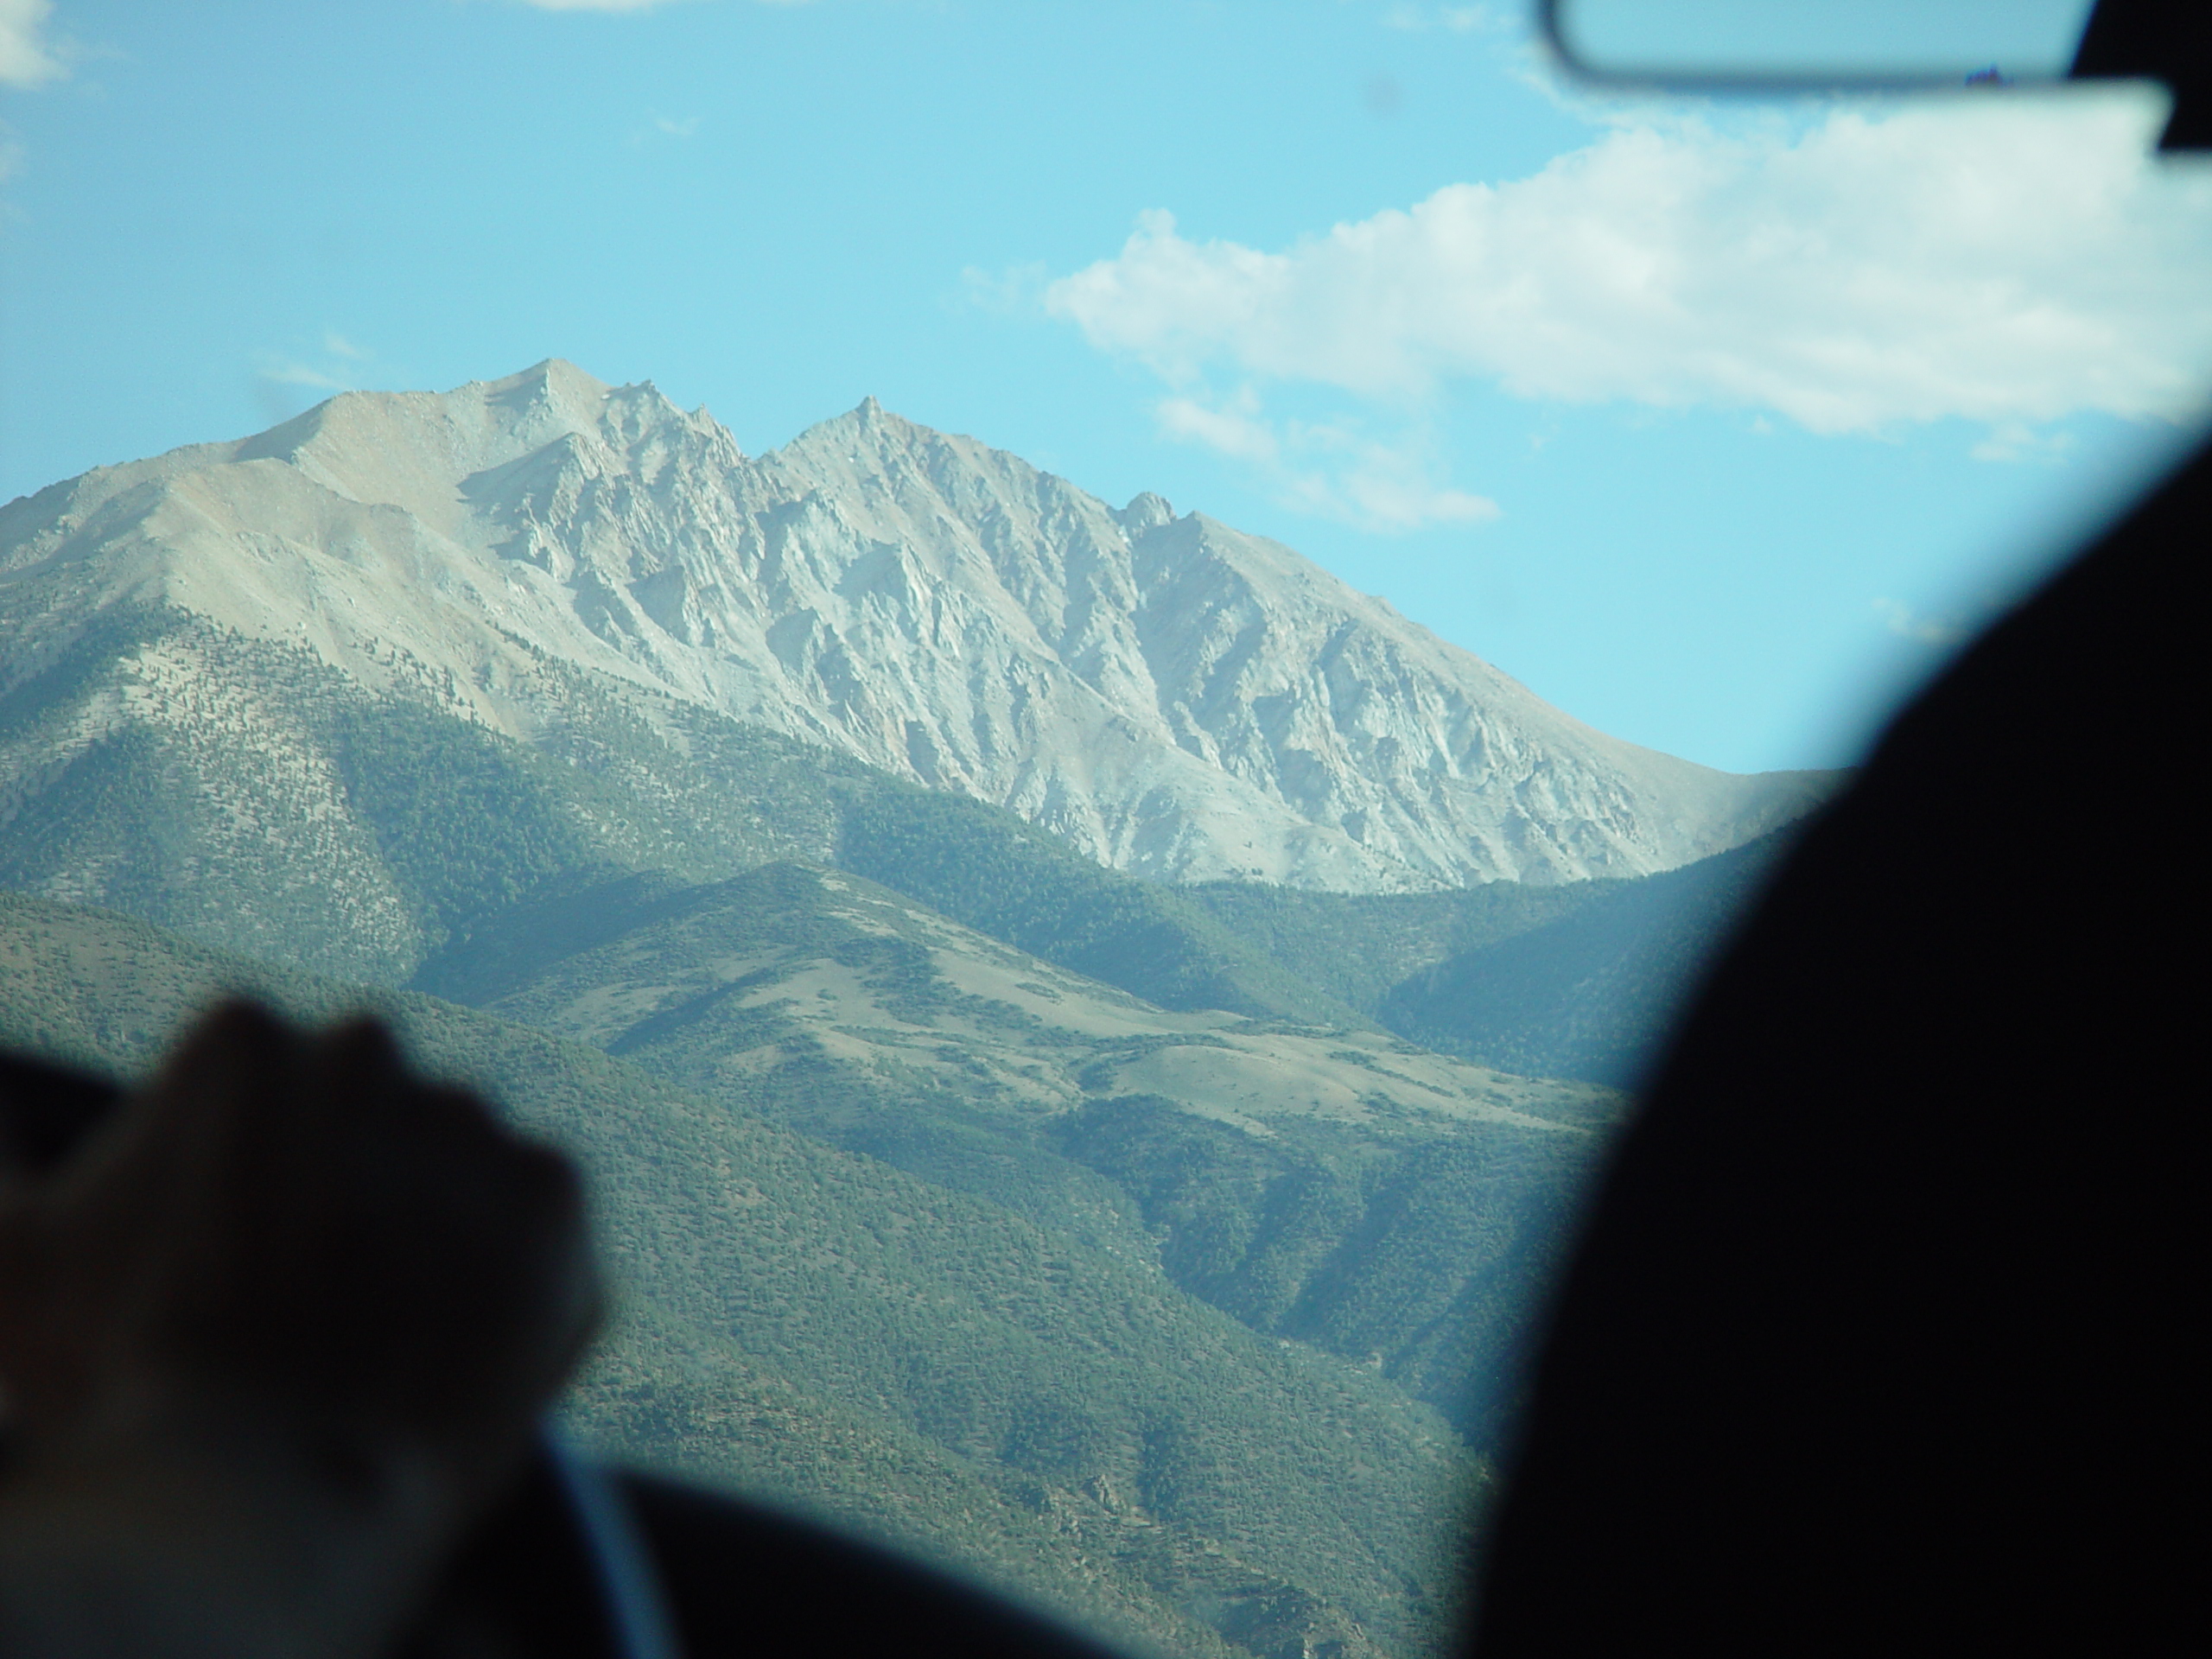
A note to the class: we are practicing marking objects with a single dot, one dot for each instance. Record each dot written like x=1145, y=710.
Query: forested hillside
x=1335, y=1187
x=1592, y=993
x=1040, y=1407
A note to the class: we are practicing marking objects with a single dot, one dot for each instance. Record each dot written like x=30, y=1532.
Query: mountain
x=1592, y=993
x=791, y=838
x=1037, y=1405
x=563, y=564
x=1340, y=1188
x=977, y=865
x=1356, y=949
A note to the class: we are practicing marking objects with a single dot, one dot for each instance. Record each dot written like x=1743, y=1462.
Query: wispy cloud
x=2017, y=440
x=658, y=126
x=284, y=384
x=1908, y=624
x=1329, y=468
x=1235, y=432
x=279, y=372
x=2011, y=261
x=1016, y=291
x=27, y=58
x=1458, y=20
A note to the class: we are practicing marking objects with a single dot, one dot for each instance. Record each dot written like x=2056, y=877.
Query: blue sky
x=1715, y=424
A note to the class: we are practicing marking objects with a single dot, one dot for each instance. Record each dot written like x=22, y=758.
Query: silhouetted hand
x=268, y=1343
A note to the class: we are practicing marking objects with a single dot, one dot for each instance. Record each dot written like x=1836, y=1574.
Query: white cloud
x=2017, y=440
x=658, y=126
x=26, y=59
x=1016, y=291
x=1329, y=468
x=2009, y=261
x=1460, y=19
x=285, y=385
x=336, y=367
x=1908, y=624
x=281, y=373
x=1226, y=431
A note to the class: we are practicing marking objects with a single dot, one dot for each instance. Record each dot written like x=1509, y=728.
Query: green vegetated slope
x=263, y=802
x=248, y=795
x=244, y=793
x=1592, y=993
x=1040, y=1405
x=1005, y=878
x=1308, y=1229
x=1357, y=948
x=1340, y=1188
x=1581, y=980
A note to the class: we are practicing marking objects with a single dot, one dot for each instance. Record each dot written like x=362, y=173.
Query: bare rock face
x=1178, y=698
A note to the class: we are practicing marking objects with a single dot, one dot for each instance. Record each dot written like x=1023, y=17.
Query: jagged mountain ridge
x=1177, y=698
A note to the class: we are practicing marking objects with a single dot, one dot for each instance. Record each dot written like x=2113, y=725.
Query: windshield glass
x=1073, y=686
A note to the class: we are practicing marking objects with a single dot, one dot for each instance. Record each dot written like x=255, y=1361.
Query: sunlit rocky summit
x=1179, y=699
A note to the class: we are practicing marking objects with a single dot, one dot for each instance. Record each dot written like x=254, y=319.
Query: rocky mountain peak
x=1146, y=512
x=1176, y=697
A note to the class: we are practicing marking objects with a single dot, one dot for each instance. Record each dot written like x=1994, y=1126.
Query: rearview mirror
x=1818, y=43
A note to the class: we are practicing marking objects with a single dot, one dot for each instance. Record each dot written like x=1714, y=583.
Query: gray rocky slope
x=1178, y=698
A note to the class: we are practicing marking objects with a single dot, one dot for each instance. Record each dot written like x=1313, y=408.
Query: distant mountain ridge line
x=1178, y=699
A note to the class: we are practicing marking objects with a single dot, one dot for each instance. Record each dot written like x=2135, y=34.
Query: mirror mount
x=2130, y=40
x=1843, y=45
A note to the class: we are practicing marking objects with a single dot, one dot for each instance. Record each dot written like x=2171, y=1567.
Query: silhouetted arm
x=272, y=1337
